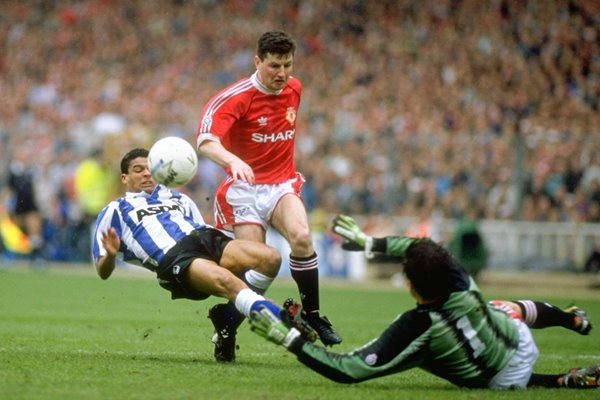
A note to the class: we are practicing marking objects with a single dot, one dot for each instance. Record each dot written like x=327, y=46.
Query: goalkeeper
x=452, y=333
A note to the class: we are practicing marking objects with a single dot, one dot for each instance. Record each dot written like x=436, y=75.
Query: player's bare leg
x=227, y=280
x=290, y=220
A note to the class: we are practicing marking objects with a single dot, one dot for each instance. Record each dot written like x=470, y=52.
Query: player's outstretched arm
x=342, y=368
x=357, y=240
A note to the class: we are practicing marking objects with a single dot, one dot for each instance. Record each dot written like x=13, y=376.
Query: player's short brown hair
x=275, y=42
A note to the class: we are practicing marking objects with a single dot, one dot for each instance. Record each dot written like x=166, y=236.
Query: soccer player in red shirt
x=249, y=128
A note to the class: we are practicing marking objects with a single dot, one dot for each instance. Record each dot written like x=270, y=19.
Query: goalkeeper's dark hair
x=427, y=265
x=275, y=42
x=130, y=156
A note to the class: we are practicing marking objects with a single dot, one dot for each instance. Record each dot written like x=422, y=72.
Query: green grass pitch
x=66, y=334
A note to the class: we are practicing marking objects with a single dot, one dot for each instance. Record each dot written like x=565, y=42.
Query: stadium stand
x=407, y=105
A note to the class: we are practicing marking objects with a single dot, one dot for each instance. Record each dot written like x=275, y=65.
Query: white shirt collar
x=259, y=85
x=142, y=193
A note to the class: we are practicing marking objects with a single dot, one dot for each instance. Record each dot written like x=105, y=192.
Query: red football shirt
x=256, y=125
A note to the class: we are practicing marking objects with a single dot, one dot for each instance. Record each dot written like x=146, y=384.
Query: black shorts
x=207, y=243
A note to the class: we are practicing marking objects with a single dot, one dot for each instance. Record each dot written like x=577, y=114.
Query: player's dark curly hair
x=130, y=156
x=275, y=42
x=427, y=265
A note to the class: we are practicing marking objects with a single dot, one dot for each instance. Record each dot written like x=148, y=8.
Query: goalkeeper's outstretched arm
x=337, y=367
x=392, y=352
x=356, y=240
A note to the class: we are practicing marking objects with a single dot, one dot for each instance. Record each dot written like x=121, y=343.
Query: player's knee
x=301, y=242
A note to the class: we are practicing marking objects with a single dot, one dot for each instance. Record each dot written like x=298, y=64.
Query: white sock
x=244, y=300
x=258, y=280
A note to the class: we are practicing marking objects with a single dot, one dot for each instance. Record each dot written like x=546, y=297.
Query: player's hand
x=111, y=241
x=240, y=170
x=267, y=325
x=347, y=228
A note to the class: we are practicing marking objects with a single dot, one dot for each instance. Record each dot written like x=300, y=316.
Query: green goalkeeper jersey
x=462, y=339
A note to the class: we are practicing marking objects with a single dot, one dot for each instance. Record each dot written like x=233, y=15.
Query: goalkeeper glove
x=266, y=324
x=347, y=228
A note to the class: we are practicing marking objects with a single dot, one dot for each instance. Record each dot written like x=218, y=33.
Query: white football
x=172, y=161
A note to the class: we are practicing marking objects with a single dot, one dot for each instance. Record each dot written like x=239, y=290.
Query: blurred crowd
x=487, y=108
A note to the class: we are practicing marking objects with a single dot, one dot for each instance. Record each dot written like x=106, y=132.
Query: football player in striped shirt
x=162, y=230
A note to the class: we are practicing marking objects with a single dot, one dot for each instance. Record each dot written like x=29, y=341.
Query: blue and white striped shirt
x=147, y=224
